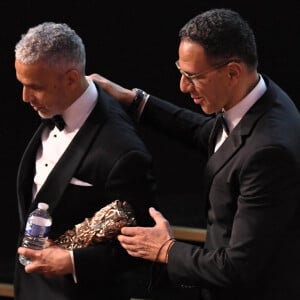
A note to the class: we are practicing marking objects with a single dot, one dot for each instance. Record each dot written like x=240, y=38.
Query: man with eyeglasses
x=252, y=176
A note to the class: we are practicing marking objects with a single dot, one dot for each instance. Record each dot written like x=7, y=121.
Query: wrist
x=163, y=252
x=172, y=242
x=139, y=98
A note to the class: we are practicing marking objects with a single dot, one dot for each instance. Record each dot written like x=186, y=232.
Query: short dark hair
x=223, y=34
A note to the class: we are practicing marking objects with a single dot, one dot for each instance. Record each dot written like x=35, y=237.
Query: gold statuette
x=104, y=225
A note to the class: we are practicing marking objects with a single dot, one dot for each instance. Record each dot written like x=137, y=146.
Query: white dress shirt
x=55, y=142
x=236, y=113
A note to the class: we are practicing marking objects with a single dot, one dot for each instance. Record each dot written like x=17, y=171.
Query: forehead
x=191, y=55
x=33, y=74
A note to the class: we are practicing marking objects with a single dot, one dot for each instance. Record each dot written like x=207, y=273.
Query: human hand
x=51, y=261
x=151, y=243
x=123, y=95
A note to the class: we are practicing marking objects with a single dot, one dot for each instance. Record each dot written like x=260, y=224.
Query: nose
x=185, y=84
x=26, y=94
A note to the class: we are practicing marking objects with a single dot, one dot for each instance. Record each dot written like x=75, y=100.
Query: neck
x=246, y=86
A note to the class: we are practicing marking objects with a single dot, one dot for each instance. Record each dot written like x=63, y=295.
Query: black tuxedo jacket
x=252, y=194
x=108, y=153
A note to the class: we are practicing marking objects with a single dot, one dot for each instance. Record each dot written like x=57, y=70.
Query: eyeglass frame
x=190, y=78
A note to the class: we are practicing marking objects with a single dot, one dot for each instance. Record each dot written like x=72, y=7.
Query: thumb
x=156, y=215
x=161, y=222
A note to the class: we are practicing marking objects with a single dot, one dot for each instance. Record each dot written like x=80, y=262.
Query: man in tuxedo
x=90, y=158
x=252, y=175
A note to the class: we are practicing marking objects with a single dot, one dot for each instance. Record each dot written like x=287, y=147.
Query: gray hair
x=54, y=43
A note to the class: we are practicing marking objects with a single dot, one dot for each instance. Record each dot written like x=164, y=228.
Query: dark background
x=134, y=44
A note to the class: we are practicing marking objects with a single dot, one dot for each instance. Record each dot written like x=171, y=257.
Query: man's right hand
x=151, y=243
x=123, y=95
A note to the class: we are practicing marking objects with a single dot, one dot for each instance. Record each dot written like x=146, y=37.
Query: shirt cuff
x=73, y=273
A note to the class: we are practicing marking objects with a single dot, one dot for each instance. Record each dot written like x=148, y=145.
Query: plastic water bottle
x=37, y=230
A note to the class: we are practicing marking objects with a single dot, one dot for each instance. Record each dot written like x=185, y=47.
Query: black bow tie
x=57, y=121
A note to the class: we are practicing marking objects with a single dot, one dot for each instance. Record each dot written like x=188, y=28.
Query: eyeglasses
x=192, y=77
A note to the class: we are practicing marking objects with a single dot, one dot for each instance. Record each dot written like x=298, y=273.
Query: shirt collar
x=236, y=113
x=76, y=114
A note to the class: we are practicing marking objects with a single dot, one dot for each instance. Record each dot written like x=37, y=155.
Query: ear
x=71, y=77
x=234, y=70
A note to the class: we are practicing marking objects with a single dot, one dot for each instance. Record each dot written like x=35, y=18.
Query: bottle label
x=37, y=230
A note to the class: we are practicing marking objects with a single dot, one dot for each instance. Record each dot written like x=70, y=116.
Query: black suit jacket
x=108, y=153
x=252, y=191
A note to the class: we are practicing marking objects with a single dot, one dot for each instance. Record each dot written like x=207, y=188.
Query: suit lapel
x=65, y=168
x=230, y=146
x=26, y=173
x=234, y=142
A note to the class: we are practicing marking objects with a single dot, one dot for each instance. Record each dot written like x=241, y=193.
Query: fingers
x=128, y=244
x=98, y=78
x=51, y=261
x=34, y=256
x=31, y=254
x=133, y=238
x=134, y=246
x=121, y=94
x=131, y=230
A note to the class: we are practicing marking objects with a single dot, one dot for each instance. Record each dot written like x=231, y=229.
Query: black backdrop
x=134, y=44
